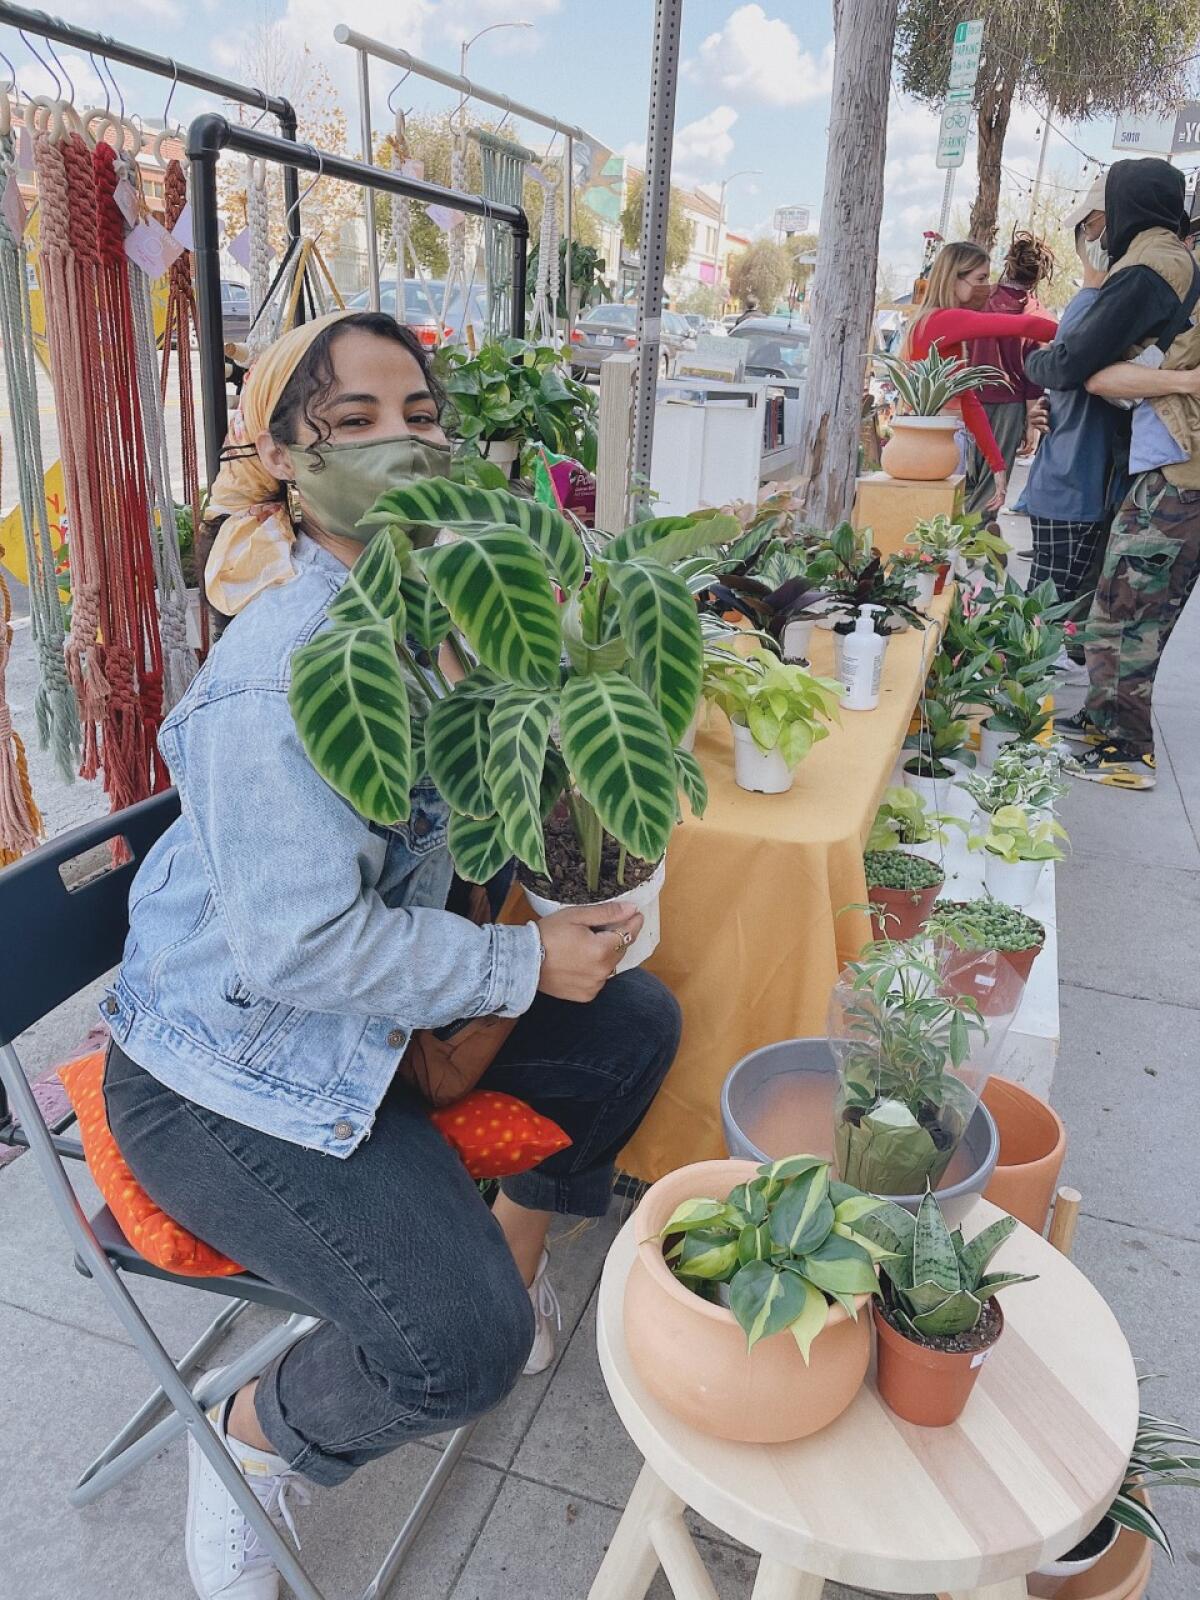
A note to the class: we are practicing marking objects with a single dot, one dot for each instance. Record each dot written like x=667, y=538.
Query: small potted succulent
x=901, y=889
x=742, y=1310
x=778, y=711
x=904, y=821
x=938, y=1319
x=923, y=445
x=910, y=1055
x=1112, y=1562
x=1017, y=845
x=987, y=924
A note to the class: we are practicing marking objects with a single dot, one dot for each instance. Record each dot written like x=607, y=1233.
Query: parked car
x=696, y=322
x=235, y=311
x=423, y=308
x=605, y=329
x=778, y=347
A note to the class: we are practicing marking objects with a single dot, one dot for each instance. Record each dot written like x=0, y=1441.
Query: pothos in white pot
x=557, y=745
x=778, y=709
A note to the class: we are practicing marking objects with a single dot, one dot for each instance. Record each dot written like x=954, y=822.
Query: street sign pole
x=947, y=192
x=955, y=126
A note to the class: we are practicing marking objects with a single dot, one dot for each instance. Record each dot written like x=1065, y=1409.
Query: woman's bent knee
x=482, y=1343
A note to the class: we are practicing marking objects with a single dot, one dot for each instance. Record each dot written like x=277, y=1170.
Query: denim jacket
x=281, y=948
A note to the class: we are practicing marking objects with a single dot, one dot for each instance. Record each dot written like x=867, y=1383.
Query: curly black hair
x=1029, y=259
x=310, y=386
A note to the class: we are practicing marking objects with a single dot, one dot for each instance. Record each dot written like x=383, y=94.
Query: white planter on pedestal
x=644, y=897
x=760, y=771
x=1013, y=882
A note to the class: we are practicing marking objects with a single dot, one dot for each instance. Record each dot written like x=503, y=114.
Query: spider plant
x=927, y=387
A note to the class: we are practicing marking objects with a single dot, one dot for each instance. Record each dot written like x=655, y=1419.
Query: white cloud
x=33, y=79
x=459, y=19
x=705, y=143
x=759, y=58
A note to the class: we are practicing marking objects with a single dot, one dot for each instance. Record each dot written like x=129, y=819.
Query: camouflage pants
x=1149, y=570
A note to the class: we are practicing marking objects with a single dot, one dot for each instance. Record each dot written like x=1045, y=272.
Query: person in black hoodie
x=1142, y=315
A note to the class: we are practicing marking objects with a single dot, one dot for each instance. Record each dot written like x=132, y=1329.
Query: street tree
x=1054, y=200
x=760, y=274
x=843, y=299
x=1075, y=57
x=679, y=229
x=801, y=248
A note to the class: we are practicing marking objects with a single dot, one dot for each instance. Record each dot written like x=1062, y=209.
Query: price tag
x=182, y=231
x=13, y=207
x=152, y=248
x=981, y=1356
x=239, y=248
x=446, y=219
x=128, y=203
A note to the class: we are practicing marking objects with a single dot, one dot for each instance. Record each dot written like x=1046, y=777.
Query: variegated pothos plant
x=580, y=680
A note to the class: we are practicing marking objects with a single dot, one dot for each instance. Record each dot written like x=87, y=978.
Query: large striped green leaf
x=456, y=751
x=555, y=779
x=620, y=757
x=661, y=627
x=671, y=539
x=520, y=727
x=496, y=589
x=427, y=618
x=438, y=503
x=477, y=846
x=372, y=591
x=350, y=706
x=692, y=781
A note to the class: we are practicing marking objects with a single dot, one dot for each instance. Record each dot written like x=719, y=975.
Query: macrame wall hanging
x=456, y=274
x=504, y=166
x=545, y=294
x=401, y=222
x=259, y=227
x=55, y=708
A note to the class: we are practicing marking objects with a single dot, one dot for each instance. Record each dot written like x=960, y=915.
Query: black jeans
x=427, y=1322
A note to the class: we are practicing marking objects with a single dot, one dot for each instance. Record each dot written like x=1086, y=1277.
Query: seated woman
x=282, y=950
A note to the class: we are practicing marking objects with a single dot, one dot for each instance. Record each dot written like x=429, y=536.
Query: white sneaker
x=545, y=1310
x=224, y=1555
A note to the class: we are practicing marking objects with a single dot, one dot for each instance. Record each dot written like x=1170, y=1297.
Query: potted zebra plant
x=557, y=743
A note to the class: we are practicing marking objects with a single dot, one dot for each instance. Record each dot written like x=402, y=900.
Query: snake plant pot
x=781, y=1098
x=926, y=1384
x=991, y=742
x=692, y=1354
x=1033, y=1145
x=921, y=448
x=760, y=771
x=796, y=638
x=1014, y=882
x=1121, y=1571
x=645, y=896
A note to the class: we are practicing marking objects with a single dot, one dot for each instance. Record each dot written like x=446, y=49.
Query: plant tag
x=152, y=248
x=980, y=1357
x=182, y=231
x=13, y=207
x=24, y=149
x=239, y=248
x=446, y=219
x=126, y=197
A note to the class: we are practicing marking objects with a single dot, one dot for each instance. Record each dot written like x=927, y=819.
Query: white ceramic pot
x=925, y=584
x=796, y=637
x=991, y=742
x=644, y=896
x=760, y=771
x=503, y=453
x=1052, y=1576
x=1014, y=882
x=942, y=794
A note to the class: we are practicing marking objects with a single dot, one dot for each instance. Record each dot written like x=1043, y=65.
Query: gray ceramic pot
x=791, y=1087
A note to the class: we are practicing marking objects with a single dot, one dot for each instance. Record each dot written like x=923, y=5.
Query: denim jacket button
x=395, y=1039
x=421, y=825
x=110, y=1007
x=342, y=1130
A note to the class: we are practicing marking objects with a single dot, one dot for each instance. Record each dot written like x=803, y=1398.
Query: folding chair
x=64, y=929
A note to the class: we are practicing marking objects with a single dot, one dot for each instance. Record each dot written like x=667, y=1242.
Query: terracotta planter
x=901, y=913
x=1033, y=1143
x=1123, y=1573
x=943, y=572
x=921, y=448
x=692, y=1356
x=928, y=1387
x=996, y=988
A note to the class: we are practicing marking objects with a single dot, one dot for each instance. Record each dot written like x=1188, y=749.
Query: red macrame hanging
x=114, y=651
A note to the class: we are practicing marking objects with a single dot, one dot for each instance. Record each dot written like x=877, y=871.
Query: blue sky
x=753, y=90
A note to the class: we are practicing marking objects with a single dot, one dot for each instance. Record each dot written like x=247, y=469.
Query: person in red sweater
x=950, y=316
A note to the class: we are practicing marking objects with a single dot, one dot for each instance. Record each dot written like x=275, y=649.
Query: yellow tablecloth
x=754, y=929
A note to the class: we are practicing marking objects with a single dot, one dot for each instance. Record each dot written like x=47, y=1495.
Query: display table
x=873, y=1501
x=757, y=910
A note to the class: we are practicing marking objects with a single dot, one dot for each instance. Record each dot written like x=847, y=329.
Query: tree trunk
x=843, y=292
x=993, y=112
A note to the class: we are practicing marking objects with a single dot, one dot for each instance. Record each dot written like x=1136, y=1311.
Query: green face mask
x=351, y=477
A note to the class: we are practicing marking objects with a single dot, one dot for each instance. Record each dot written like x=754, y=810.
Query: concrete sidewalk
x=530, y=1513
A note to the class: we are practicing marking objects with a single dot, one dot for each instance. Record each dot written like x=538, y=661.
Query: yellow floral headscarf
x=252, y=550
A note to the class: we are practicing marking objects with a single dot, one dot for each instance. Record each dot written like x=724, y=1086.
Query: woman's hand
x=996, y=503
x=580, y=956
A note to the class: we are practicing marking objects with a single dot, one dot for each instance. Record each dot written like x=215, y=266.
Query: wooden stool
x=873, y=1501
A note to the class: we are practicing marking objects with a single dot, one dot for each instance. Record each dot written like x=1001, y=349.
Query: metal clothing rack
x=207, y=137
x=101, y=44
x=366, y=47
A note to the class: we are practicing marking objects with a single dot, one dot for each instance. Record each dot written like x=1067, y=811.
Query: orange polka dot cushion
x=497, y=1135
x=147, y=1227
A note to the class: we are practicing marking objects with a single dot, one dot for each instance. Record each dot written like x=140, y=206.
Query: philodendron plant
x=779, y=1249
x=520, y=731
x=937, y=1283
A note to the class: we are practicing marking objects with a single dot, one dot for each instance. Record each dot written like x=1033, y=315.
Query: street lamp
x=745, y=172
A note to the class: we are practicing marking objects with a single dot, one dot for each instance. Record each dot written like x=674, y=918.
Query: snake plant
x=937, y=1283
x=521, y=730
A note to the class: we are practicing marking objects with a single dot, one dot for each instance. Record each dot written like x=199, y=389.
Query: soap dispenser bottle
x=862, y=662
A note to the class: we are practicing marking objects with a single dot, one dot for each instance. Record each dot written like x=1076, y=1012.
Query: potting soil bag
x=564, y=484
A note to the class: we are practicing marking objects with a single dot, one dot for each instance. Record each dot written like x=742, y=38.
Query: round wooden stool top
x=1028, y=1469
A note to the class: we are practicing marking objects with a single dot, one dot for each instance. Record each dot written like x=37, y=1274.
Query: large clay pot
x=692, y=1356
x=1033, y=1143
x=921, y=448
x=928, y=1387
